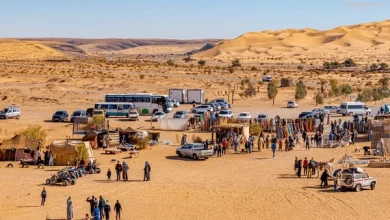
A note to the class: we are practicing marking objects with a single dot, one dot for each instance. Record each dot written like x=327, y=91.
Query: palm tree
x=323, y=83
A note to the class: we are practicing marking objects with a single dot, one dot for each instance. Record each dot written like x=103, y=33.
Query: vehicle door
x=357, y=179
x=366, y=180
x=186, y=150
x=120, y=110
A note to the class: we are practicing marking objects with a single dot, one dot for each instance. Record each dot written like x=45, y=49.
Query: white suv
x=10, y=112
x=292, y=104
x=356, y=179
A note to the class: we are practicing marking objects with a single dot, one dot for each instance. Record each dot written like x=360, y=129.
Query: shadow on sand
x=180, y=158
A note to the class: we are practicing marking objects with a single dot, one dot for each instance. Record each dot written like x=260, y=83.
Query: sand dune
x=15, y=49
x=292, y=42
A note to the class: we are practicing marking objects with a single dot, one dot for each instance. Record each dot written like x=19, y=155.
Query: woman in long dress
x=69, y=209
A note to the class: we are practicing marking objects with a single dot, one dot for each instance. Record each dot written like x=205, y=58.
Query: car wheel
x=65, y=183
x=348, y=181
x=358, y=188
x=179, y=154
x=195, y=157
x=73, y=181
x=48, y=182
x=372, y=185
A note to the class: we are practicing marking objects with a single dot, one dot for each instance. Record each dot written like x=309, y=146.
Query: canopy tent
x=17, y=148
x=172, y=124
x=64, y=152
x=240, y=129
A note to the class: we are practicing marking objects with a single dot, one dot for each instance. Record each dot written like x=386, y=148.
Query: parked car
x=175, y=103
x=133, y=115
x=292, y=104
x=226, y=114
x=332, y=109
x=304, y=113
x=181, y=114
x=60, y=116
x=267, y=78
x=262, y=116
x=356, y=179
x=10, y=112
x=194, y=150
x=77, y=113
x=320, y=111
x=213, y=105
x=311, y=115
x=244, y=116
x=202, y=109
x=222, y=100
x=158, y=115
x=223, y=105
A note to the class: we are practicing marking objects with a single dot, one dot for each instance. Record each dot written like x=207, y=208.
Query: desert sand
x=45, y=75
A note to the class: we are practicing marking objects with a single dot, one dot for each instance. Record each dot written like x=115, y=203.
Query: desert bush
x=231, y=70
x=142, y=143
x=236, y=62
x=365, y=95
x=34, y=132
x=250, y=90
x=374, y=67
x=255, y=129
x=142, y=76
x=319, y=99
x=300, y=90
x=202, y=62
x=349, y=63
x=272, y=91
x=300, y=68
x=81, y=151
x=196, y=139
x=346, y=89
x=384, y=66
x=170, y=62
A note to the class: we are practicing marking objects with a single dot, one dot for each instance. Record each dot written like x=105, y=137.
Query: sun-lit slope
x=15, y=49
x=291, y=42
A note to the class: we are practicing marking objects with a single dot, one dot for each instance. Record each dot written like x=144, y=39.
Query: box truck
x=196, y=95
x=178, y=95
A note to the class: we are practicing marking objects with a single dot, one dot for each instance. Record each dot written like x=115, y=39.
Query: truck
x=195, y=95
x=178, y=95
x=195, y=151
x=356, y=179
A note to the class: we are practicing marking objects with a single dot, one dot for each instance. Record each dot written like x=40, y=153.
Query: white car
x=133, y=115
x=292, y=104
x=320, y=111
x=244, y=116
x=226, y=114
x=202, y=109
x=332, y=109
x=158, y=115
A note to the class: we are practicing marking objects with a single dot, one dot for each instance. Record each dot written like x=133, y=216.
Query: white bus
x=354, y=108
x=146, y=103
x=115, y=108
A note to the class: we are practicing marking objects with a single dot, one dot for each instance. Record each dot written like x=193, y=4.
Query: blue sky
x=178, y=19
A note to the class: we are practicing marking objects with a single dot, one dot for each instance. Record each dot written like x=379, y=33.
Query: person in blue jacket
x=96, y=213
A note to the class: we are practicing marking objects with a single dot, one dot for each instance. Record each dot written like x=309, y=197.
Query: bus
x=146, y=103
x=115, y=108
x=354, y=108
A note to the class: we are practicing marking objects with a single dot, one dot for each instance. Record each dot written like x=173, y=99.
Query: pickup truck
x=194, y=150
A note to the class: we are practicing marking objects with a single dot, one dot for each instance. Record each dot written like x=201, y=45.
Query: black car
x=60, y=116
x=303, y=114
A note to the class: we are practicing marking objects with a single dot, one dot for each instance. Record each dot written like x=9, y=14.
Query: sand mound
x=292, y=42
x=19, y=50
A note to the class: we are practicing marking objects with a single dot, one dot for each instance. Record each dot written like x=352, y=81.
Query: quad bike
x=63, y=177
x=75, y=172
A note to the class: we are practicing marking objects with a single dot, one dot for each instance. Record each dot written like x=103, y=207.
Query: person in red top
x=305, y=165
x=224, y=146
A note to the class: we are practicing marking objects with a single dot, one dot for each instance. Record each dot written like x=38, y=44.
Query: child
x=267, y=142
x=280, y=145
x=108, y=175
x=286, y=144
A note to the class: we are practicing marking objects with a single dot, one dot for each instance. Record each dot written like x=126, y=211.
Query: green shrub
x=300, y=90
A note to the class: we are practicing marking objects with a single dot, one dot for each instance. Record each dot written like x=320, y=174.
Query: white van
x=10, y=112
x=354, y=108
x=267, y=78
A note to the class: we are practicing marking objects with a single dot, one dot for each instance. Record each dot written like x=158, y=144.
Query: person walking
x=280, y=144
x=305, y=166
x=286, y=145
x=125, y=168
x=43, y=197
x=267, y=142
x=260, y=143
x=324, y=178
x=336, y=175
x=107, y=210
x=236, y=145
x=147, y=170
x=109, y=175
x=118, y=169
x=96, y=213
x=69, y=209
x=118, y=210
x=91, y=204
x=273, y=146
x=102, y=204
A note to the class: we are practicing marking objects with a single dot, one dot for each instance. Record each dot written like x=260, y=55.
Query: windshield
x=243, y=114
x=290, y=102
x=158, y=113
x=59, y=113
x=262, y=116
x=5, y=110
x=77, y=114
x=223, y=112
x=179, y=113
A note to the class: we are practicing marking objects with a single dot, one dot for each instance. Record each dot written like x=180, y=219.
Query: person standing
x=353, y=137
x=147, y=170
x=82, y=164
x=260, y=143
x=280, y=145
x=125, y=168
x=118, y=209
x=109, y=175
x=101, y=206
x=236, y=144
x=370, y=135
x=286, y=145
x=324, y=178
x=305, y=166
x=307, y=143
x=355, y=134
x=118, y=169
x=273, y=146
x=107, y=210
x=220, y=150
x=91, y=204
x=206, y=144
x=310, y=169
x=43, y=197
x=299, y=168
x=69, y=209
x=267, y=142
x=39, y=155
x=336, y=174
x=96, y=213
